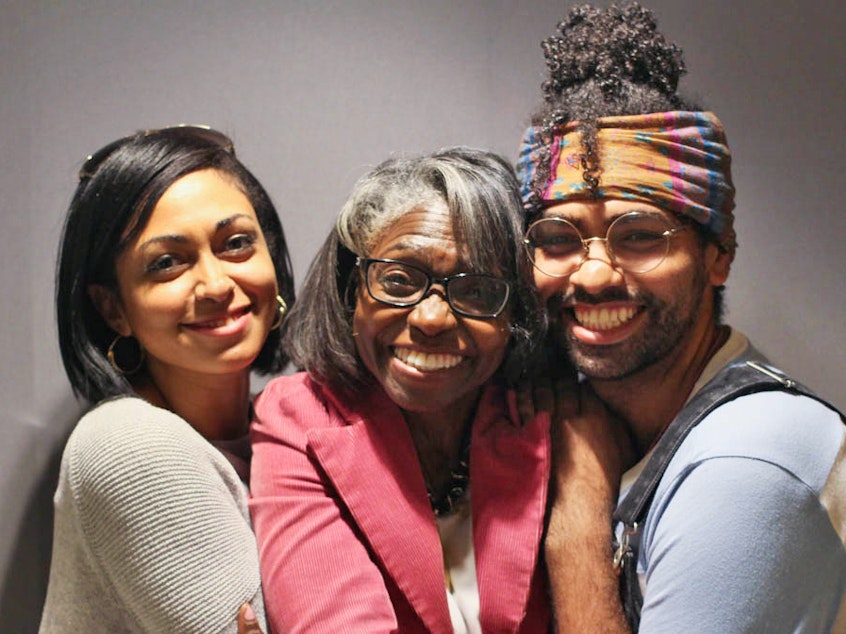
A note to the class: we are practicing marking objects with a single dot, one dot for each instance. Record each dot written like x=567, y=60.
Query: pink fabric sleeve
x=316, y=572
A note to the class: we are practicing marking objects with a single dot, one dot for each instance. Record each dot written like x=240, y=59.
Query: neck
x=651, y=398
x=216, y=406
x=438, y=437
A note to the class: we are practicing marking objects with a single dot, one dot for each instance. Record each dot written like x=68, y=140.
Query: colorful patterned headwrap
x=679, y=161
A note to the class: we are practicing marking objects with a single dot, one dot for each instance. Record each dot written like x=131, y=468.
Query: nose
x=432, y=315
x=605, y=256
x=213, y=282
x=597, y=271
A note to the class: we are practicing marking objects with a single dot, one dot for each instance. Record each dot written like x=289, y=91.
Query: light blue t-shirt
x=745, y=533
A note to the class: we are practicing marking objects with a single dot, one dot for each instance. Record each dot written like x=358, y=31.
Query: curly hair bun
x=614, y=49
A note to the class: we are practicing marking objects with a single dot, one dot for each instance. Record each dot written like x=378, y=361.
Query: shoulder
x=766, y=458
x=132, y=424
x=296, y=401
x=297, y=385
x=160, y=515
x=790, y=432
x=762, y=456
x=127, y=446
x=739, y=538
x=130, y=429
x=293, y=400
x=784, y=429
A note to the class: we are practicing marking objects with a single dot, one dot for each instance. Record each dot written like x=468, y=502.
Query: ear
x=718, y=263
x=109, y=306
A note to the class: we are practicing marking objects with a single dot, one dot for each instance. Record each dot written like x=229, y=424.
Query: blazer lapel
x=374, y=467
x=509, y=475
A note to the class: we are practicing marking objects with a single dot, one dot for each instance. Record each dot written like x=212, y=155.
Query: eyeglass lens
x=400, y=284
x=636, y=242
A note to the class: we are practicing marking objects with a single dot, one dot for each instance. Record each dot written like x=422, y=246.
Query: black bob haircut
x=118, y=188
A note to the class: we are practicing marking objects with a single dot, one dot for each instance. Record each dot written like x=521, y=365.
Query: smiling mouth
x=220, y=323
x=426, y=362
x=600, y=318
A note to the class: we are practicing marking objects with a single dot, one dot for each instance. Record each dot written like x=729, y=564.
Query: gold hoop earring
x=110, y=354
x=283, y=308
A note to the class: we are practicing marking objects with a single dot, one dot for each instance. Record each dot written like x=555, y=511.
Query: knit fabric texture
x=152, y=531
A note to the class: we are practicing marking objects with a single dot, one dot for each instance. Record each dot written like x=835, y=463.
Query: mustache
x=580, y=296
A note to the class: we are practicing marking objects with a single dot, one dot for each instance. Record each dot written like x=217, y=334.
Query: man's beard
x=664, y=328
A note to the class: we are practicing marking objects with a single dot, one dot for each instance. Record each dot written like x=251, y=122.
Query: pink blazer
x=347, y=539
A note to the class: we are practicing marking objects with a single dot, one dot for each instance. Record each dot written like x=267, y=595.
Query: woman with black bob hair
x=119, y=186
x=415, y=316
x=173, y=280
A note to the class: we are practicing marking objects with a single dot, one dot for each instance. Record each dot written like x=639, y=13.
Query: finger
x=544, y=396
x=247, y=622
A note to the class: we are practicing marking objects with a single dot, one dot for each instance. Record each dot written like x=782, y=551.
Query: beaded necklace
x=458, y=482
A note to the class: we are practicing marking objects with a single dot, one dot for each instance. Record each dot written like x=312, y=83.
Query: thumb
x=247, y=621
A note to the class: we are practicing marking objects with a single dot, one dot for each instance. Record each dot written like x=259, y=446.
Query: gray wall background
x=314, y=94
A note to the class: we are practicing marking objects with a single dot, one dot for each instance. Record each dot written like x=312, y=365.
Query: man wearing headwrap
x=630, y=205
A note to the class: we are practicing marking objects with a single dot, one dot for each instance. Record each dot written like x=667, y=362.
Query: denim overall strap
x=733, y=381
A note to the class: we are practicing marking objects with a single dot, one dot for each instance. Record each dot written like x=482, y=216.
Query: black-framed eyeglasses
x=397, y=283
x=636, y=242
x=180, y=130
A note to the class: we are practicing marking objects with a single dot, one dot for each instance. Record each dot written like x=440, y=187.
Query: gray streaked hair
x=481, y=194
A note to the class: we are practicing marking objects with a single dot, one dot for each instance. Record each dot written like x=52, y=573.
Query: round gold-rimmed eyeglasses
x=636, y=242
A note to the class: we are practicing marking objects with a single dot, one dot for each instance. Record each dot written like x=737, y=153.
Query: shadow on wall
x=24, y=581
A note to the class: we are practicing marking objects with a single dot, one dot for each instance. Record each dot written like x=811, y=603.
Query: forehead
x=424, y=231
x=197, y=199
x=600, y=212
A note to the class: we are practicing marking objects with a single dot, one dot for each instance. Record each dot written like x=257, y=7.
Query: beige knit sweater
x=152, y=530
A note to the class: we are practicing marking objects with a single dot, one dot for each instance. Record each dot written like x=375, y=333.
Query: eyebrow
x=228, y=221
x=410, y=255
x=164, y=238
x=172, y=237
x=580, y=222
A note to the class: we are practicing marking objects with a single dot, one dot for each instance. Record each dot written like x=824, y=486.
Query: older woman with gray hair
x=394, y=485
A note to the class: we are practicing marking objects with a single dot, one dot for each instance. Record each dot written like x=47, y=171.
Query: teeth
x=427, y=362
x=603, y=318
x=216, y=323
x=219, y=323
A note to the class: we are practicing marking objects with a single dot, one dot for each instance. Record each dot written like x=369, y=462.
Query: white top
x=456, y=531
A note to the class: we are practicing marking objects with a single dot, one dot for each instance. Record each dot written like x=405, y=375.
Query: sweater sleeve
x=317, y=571
x=164, y=517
